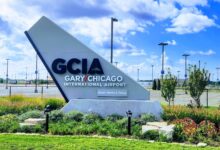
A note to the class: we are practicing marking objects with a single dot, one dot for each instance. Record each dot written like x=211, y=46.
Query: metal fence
x=29, y=90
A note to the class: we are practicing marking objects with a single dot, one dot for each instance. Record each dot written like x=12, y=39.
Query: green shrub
x=189, y=126
x=207, y=129
x=86, y=129
x=104, y=128
x=178, y=134
x=32, y=129
x=122, y=123
x=54, y=103
x=115, y=132
x=74, y=116
x=91, y=118
x=61, y=128
x=151, y=135
x=147, y=118
x=135, y=130
x=8, y=110
x=111, y=128
x=196, y=138
x=114, y=117
x=163, y=138
x=56, y=115
x=31, y=114
x=9, y=123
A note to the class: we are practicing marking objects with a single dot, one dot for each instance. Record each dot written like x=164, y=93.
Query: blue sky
x=188, y=26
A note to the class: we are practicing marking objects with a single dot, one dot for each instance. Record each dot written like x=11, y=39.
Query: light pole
x=163, y=44
x=152, y=72
x=218, y=68
x=6, y=82
x=36, y=72
x=178, y=77
x=138, y=74
x=185, y=55
x=112, y=20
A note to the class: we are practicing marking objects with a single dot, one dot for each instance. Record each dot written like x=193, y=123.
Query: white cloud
x=147, y=10
x=99, y=29
x=172, y=42
x=190, y=21
x=192, y=2
x=205, y=53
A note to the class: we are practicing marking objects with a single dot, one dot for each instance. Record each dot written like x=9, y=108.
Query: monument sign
x=86, y=80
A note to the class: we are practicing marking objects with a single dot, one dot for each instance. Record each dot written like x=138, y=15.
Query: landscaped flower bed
x=196, y=114
x=192, y=125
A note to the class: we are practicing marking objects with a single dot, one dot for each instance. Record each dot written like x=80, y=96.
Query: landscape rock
x=26, y=124
x=158, y=124
x=151, y=141
x=167, y=131
x=146, y=128
x=163, y=128
x=35, y=121
x=201, y=144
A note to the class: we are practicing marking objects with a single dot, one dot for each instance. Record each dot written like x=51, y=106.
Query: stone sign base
x=108, y=107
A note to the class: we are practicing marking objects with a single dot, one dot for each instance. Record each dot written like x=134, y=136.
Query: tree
x=168, y=87
x=154, y=86
x=198, y=80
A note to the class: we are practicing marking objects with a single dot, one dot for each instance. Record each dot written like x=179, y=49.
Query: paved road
x=52, y=91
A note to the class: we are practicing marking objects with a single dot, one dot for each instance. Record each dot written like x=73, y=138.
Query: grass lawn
x=32, y=142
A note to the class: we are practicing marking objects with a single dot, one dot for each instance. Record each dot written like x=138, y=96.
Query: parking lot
x=52, y=91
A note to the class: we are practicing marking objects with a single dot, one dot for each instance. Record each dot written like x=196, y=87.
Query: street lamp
x=163, y=44
x=138, y=74
x=36, y=72
x=218, y=68
x=178, y=77
x=112, y=20
x=6, y=82
x=129, y=114
x=185, y=55
x=46, y=112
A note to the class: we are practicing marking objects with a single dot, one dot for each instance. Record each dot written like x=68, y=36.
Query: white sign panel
x=112, y=93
